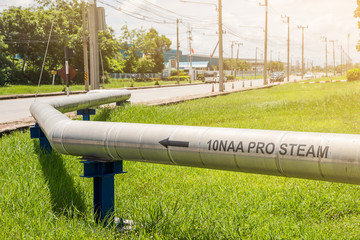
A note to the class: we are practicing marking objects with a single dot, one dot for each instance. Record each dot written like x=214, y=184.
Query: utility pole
x=221, y=60
x=288, y=46
x=237, y=58
x=255, y=62
x=348, y=52
x=94, y=45
x=86, y=63
x=232, y=48
x=302, y=61
x=266, y=38
x=326, y=53
x=69, y=53
x=341, y=59
x=333, y=42
x=278, y=65
x=177, y=51
x=191, y=69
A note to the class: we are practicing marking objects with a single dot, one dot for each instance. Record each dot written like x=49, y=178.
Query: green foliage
x=28, y=77
x=145, y=65
x=4, y=64
x=137, y=43
x=181, y=73
x=237, y=65
x=229, y=77
x=275, y=66
x=154, y=46
x=357, y=15
x=26, y=30
x=353, y=74
x=200, y=76
x=182, y=78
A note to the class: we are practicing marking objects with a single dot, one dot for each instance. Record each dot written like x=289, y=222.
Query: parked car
x=277, y=77
x=308, y=75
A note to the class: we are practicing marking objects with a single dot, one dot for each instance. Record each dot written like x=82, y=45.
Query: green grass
x=113, y=83
x=43, y=197
x=342, y=77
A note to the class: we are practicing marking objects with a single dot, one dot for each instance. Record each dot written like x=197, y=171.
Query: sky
x=244, y=22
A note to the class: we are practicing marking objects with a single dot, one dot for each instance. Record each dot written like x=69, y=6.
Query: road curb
x=30, y=95
x=16, y=96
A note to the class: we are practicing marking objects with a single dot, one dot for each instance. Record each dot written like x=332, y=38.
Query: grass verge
x=44, y=197
x=113, y=83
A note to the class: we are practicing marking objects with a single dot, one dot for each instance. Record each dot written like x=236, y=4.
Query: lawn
x=113, y=83
x=44, y=197
x=318, y=79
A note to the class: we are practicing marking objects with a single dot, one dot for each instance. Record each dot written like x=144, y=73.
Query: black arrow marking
x=166, y=143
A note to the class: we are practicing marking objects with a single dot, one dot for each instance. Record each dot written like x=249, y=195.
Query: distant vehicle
x=299, y=74
x=277, y=77
x=309, y=75
x=212, y=77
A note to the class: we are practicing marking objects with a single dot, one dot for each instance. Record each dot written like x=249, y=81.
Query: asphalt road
x=17, y=109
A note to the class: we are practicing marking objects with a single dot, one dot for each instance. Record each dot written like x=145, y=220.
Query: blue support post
x=103, y=174
x=36, y=132
x=86, y=113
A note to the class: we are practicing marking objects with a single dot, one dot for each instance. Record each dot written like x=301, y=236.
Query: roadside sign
x=72, y=72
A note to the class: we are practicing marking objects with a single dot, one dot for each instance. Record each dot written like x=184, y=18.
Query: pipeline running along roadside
x=318, y=156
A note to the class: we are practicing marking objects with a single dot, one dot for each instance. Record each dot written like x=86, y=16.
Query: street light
x=221, y=66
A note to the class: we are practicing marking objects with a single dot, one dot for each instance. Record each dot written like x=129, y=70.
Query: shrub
x=181, y=73
x=157, y=83
x=182, y=78
x=229, y=77
x=200, y=76
x=353, y=74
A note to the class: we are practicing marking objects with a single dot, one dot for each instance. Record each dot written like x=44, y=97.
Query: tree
x=130, y=45
x=137, y=43
x=241, y=65
x=154, y=47
x=357, y=15
x=26, y=31
x=19, y=28
x=145, y=65
x=4, y=64
x=275, y=66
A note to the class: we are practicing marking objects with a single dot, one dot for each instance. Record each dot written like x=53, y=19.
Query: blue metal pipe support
x=37, y=133
x=103, y=184
x=86, y=113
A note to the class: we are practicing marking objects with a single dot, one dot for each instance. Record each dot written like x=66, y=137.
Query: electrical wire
x=47, y=47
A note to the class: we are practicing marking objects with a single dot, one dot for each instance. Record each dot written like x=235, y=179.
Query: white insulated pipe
x=318, y=156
